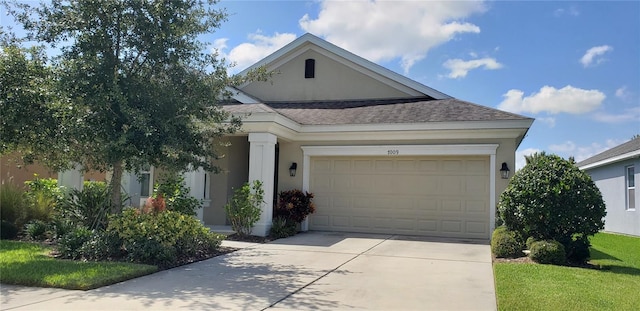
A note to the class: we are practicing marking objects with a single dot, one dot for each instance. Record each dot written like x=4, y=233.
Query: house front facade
x=381, y=153
x=615, y=172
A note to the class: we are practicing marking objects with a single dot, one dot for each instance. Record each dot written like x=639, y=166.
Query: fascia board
x=412, y=150
x=622, y=157
x=242, y=96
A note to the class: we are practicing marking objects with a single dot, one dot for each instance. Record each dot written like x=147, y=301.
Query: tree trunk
x=114, y=186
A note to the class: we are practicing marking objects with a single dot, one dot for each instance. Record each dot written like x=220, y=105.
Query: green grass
x=23, y=263
x=545, y=287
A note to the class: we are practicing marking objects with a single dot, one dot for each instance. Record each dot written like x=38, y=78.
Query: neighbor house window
x=630, y=187
x=145, y=181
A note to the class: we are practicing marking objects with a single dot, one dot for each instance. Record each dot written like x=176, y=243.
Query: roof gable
x=347, y=76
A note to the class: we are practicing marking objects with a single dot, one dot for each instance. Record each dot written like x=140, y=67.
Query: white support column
x=262, y=157
x=72, y=178
x=196, y=182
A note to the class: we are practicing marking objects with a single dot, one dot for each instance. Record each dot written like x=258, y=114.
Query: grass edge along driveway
x=24, y=263
x=525, y=286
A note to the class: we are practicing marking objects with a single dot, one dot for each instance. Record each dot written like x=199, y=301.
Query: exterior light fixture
x=292, y=169
x=504, y=171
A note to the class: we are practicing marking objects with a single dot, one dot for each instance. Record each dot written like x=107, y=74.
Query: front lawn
x=23, y=263
x=524, y=286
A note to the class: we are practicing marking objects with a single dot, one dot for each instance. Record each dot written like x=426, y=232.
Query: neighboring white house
x=381, y=153
x=615, y=172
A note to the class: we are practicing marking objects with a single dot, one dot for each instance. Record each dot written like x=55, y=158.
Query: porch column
x=195, y=181
x=262, y=157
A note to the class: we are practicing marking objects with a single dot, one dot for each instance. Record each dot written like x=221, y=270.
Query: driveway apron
x=310, y=271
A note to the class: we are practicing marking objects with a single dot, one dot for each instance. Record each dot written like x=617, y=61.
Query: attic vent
x=309, y=68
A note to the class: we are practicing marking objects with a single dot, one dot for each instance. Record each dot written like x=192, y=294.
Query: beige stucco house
x=381, y=153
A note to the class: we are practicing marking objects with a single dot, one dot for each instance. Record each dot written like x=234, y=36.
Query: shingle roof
x=619, y=150
x=386, y=111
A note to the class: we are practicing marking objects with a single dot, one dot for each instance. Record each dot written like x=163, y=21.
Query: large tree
x=141, y=85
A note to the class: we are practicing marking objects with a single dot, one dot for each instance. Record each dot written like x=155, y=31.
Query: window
x=309, y=68
x=145, y=181
x=630, y=187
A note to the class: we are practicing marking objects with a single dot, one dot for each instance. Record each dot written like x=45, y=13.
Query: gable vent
x=309, y=68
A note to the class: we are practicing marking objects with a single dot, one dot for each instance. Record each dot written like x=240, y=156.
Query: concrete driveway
x=311, y=271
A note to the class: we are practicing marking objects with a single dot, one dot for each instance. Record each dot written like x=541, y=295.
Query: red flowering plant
x=294, y=205
x=154, y=205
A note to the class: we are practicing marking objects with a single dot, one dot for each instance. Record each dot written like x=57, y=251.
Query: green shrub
x=88, y=207
x=551, y=199
x=530, y=241
x=8, y=230
x=548, y=252
x=244, y=209
x=47, y=186
x=162, y=238
x=12, y=204
x=295, y=205
x=282, y=228
x=37, y=230
x=578, y=250
x=69, y=246
x=176, y=195
x=505, y=243
x=102, y=245
x=42, y=197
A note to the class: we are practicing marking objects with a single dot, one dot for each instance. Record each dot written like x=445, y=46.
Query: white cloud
x=623, y=93
x=386, y=30
x=569, y=148
x=632, y=114
x=573, y=11
x=594, y=55
x=459, y=68
x=549, y=99
x=248, y=53
x=520, y=160
x=551, y=121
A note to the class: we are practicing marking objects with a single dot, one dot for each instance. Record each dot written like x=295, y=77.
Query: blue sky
x=574, y=66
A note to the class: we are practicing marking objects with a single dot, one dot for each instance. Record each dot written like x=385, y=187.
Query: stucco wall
x=235, y=171
x=333, y=81
x=610, y=180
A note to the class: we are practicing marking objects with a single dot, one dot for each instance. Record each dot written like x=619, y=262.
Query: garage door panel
x=436, y=196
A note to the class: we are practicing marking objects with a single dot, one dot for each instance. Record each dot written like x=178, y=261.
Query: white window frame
x=143, y=199
x=629, y=190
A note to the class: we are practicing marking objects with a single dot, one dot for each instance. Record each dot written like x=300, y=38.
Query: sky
x=573, y=66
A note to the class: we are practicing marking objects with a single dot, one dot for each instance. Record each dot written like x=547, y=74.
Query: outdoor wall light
x=292, y=169
x=504, y=171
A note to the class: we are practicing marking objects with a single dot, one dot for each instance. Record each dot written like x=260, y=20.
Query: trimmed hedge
x=505, y=243
x=548, y=252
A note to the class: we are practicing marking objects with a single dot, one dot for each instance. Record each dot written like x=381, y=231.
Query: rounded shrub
x=548, y=252
x=578, y=250
x=551, y=199
x=505, y=243
x=530, y=241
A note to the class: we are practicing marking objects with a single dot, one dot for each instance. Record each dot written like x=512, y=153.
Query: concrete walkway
x=311, y=271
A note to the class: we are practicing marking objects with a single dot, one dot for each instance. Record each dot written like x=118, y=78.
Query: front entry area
x=447, y=196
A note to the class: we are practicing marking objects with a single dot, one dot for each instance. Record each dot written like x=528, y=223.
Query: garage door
x=429, y=196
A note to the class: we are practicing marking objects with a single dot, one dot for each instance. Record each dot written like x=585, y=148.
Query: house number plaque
x=393, y=152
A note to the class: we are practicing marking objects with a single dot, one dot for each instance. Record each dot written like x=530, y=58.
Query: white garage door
x=430, y=196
